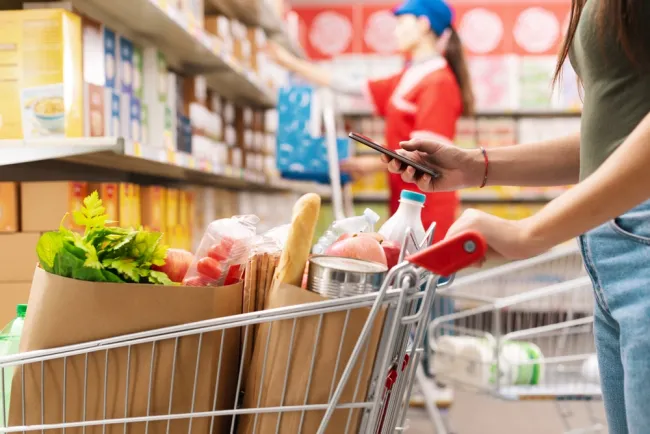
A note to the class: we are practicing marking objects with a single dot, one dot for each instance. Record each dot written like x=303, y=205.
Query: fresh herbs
x=103, y=253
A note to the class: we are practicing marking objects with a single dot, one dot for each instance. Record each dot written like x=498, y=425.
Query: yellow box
x=126, y=191
x=172, y=207
x=136, y=215
x=152, y=199
x=8, y=206
x=41, y=75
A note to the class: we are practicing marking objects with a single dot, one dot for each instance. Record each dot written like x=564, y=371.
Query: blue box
x=301, y=155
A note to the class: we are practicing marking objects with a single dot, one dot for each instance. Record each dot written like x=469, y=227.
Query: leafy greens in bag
x=103, y=253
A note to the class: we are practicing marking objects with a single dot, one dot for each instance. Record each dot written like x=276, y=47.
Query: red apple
x=361, y=247
x=374, y=235
x=392, y=251
x=176, y=265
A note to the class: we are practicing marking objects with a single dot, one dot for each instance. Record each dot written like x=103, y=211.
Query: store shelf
x=130, y=157
x=265, y=17
x=187, y=47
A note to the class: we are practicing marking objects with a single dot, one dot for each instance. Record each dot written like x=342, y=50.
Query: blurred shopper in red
x=422, y=101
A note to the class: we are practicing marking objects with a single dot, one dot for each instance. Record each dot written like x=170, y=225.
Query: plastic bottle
x=351, y=225
x=9, y=345
x=408, y=215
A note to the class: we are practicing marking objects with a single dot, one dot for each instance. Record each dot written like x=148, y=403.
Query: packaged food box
x=153, y=208
x=58, y=198
x=155, y=98
x=94, y=75
x=8, y=206
x=42, y=85
x=125, y=66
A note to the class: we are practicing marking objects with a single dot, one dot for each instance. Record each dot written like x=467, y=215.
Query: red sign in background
x=486, y=27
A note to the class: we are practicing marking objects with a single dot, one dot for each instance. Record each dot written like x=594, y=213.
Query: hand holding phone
x=409, y=162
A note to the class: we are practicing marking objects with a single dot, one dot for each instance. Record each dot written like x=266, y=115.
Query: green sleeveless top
x=616, y=94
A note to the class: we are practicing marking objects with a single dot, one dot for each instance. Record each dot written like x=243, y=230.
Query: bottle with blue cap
x=408, y=216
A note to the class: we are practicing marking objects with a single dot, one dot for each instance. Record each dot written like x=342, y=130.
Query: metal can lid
x=349, y=264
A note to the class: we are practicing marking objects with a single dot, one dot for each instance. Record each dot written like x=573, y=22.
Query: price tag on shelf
x=137, y=150
x=171, y=157
x=191, y=162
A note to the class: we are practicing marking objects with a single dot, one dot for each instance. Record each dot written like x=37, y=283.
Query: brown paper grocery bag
x=65, y=311
x=275, y=354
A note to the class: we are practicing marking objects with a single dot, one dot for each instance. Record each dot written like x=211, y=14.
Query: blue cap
x=411, y=195
x=439, y=14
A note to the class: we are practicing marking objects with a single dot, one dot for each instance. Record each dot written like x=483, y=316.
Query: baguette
x=299, y=241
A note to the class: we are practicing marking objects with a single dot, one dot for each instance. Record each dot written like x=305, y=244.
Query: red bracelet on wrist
x=487, y=165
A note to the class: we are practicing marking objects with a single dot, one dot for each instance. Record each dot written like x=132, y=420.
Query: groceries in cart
x=113, y=342
x=223, y=252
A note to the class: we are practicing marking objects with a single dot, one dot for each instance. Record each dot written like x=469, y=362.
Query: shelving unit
x=187, y=47
x=131, y=157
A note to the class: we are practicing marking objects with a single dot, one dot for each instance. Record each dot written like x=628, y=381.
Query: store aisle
x=490, y=416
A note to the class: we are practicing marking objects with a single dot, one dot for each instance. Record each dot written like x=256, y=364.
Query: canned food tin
x=336, y=277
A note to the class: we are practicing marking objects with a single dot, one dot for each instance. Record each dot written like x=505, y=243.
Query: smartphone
x=377, y=147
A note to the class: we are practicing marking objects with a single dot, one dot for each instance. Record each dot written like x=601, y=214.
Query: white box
x=156, y=95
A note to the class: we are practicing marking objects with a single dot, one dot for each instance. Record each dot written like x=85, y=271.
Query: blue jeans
x=617, y=258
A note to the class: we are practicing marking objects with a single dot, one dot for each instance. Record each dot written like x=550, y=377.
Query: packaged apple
x=223, y=252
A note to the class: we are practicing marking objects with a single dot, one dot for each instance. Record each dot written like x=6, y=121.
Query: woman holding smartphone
x=424, y=100
x=609, y=210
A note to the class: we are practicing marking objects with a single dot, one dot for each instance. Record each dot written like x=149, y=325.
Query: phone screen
x=377, y=147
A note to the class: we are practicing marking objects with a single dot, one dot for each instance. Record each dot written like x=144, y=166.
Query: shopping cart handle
x=449, y=256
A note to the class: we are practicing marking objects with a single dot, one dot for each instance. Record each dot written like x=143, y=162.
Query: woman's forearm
x=314, y=74
x=620, y=184
x=553, y=162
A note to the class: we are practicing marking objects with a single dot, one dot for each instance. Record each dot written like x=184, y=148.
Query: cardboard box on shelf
x=9, y=207
x=94, y=78
x=111, y=60
x=109, y=193
x=155, y=98
x=136, y=216
x=171, y=207
x=58, y=198
x=42, y=95
x=138, y=72
x=12, y=294
x=125, y=201
x=152, y=199
x=195, y=90
x=18, y=250
x=125, y=66
x=219, y=26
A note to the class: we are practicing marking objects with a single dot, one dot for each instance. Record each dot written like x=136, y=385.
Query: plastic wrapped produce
x=223, y=252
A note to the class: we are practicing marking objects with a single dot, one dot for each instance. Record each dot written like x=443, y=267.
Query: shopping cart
x=80, y=388
x=522, y=331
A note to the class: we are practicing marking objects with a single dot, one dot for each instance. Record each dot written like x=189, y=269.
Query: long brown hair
x=455, y=57
x=615, y=18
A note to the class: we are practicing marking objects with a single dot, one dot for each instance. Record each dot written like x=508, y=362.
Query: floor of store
x=479, y=414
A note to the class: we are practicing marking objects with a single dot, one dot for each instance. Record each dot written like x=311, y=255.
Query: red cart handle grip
x=449, y=256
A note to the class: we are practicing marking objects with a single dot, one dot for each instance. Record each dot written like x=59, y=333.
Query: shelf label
x=191, y=162
x=137, y=149
x=171, y=157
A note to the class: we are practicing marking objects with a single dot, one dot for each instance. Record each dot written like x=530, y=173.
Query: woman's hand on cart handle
x=451, y=255
x=460, y=168
x=509, y=239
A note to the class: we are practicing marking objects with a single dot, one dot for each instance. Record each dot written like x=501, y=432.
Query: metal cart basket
x=522, y=331
x=77, y=387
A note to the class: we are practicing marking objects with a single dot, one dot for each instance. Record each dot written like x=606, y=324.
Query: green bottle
x=9, y=345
